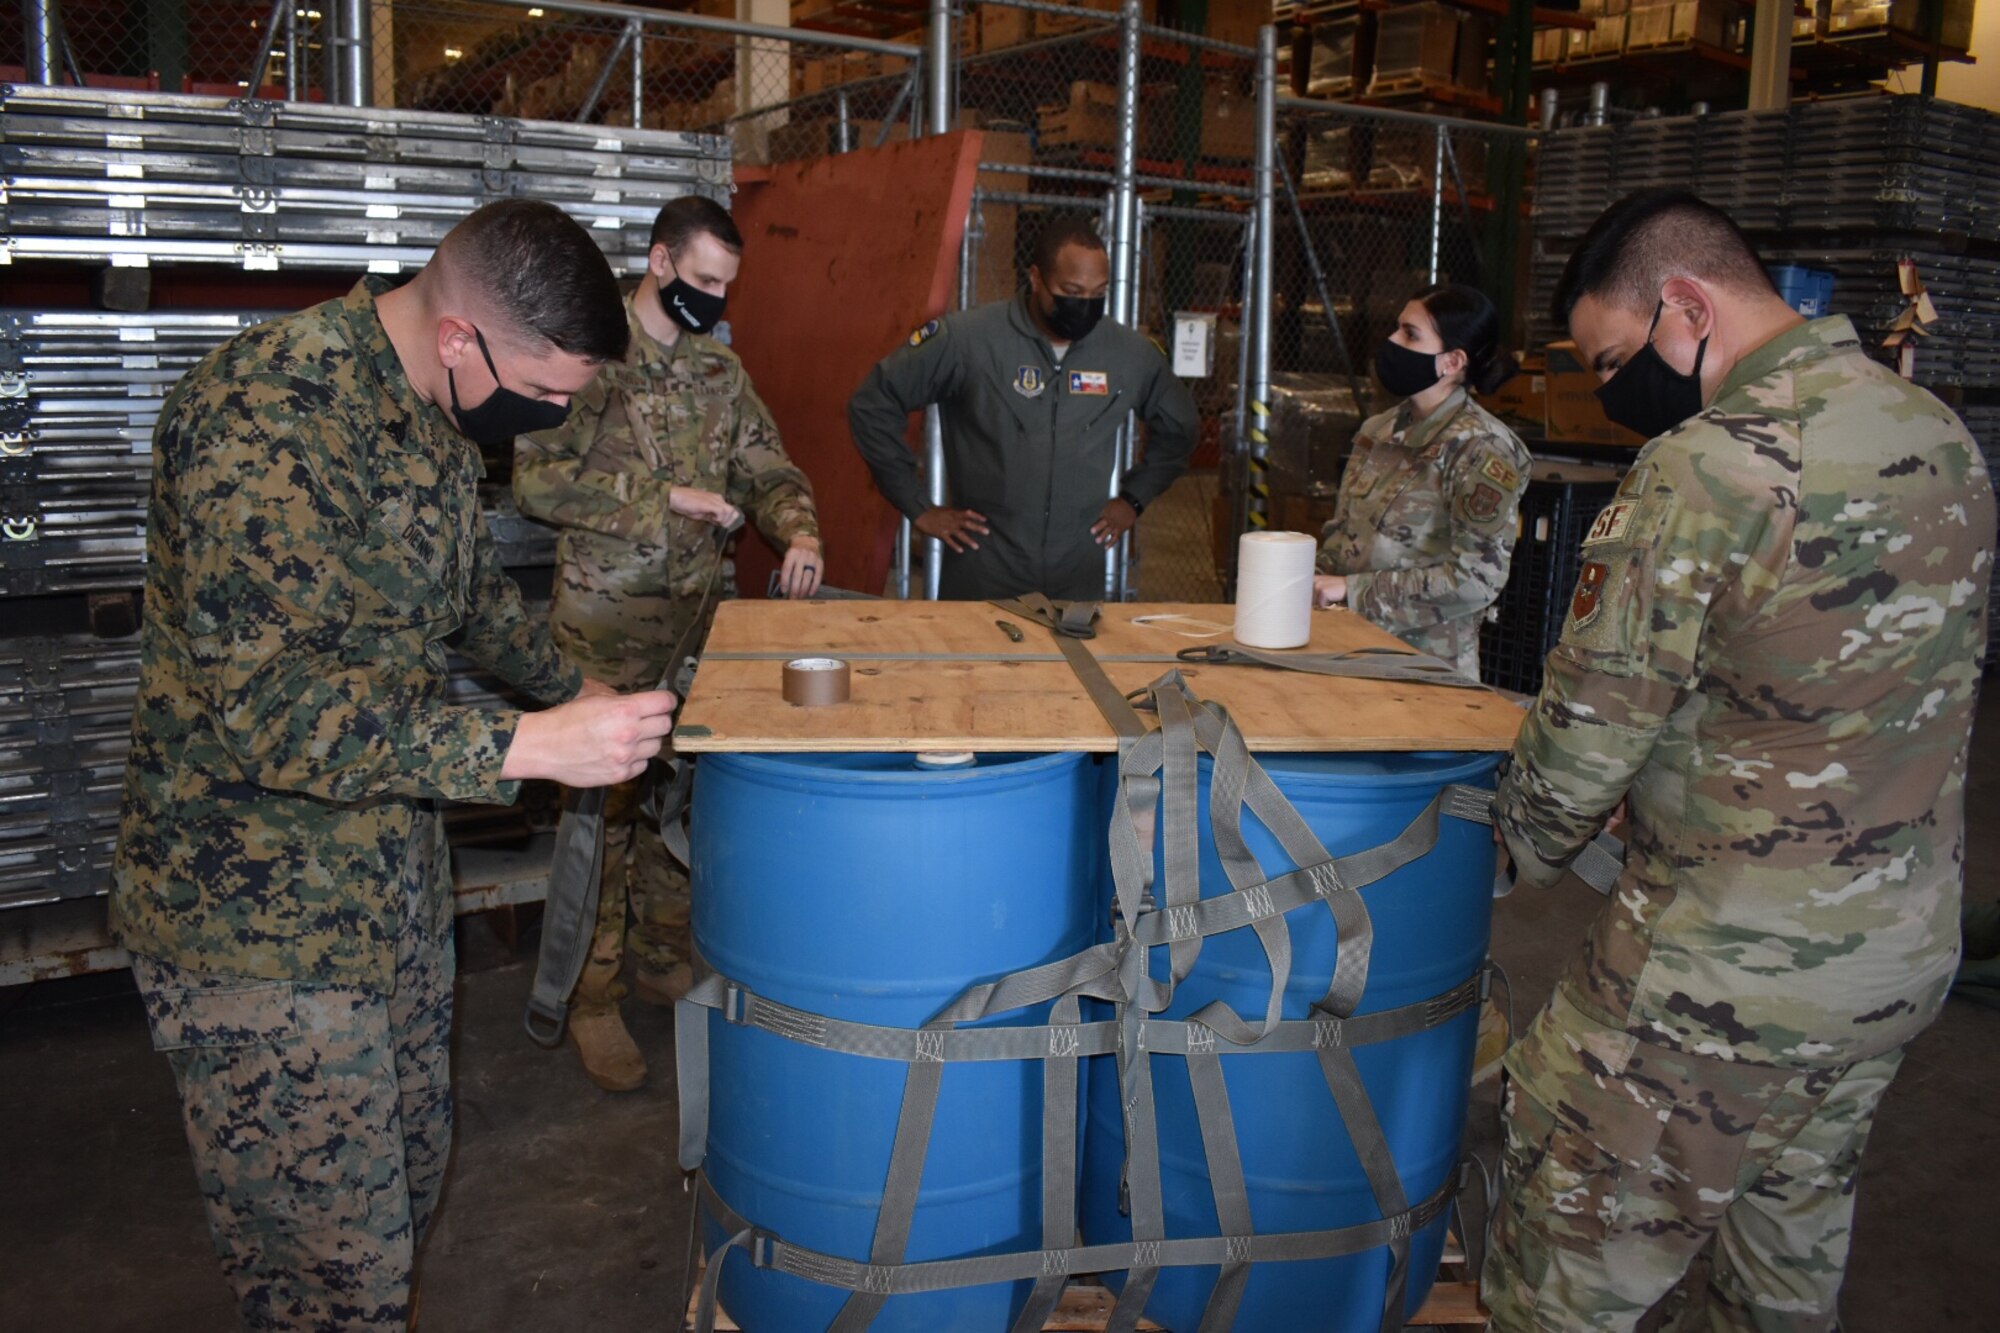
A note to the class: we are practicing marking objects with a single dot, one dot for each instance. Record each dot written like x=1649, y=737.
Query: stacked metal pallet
x=80, y=392
x=1850, y=185
x=142, y=178
x=65, y=729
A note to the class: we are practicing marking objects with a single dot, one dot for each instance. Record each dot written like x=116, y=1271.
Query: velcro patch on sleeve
x=1482, y=503
x=1612, y=524
x=1499, y=470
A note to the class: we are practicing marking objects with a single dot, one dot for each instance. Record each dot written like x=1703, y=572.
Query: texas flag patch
x=1094, y=382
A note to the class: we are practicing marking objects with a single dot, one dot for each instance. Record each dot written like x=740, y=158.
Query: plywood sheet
x=945, y=675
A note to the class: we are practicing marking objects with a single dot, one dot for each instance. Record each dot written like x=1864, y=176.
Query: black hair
x=1467, y=322
x=681, y=220
x=541, y=271
x=1645, y=240
x=1060, y=231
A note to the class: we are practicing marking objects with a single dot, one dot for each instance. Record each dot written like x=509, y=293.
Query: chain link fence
x=776, y=97
x=1372, y=208
x=1045, y=89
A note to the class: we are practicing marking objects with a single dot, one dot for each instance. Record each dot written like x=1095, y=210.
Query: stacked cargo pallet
x=65, y=728
x=153, y=178
x=1853, y=186
x=80, y=392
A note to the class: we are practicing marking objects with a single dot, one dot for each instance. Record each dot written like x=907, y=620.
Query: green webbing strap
x=1600, y=863
x=1406, y=664
x=569, y=915
x=743, y=1007
x=1071, y=624
x=1059, y=1149
x=767, y=1250
x=897, y=1214
x=667, y=801
x=1225, y=1176
x=1371, y=1146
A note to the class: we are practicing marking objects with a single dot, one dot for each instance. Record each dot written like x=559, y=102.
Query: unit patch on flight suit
x=1482, y=504
x=1028, y=382
x=1589, y=598
x=1094, y=382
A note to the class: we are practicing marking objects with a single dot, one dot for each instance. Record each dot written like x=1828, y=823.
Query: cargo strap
x=569, y=909
x=1405, y=664
x=569, y=915
x=1599, y=865
x=1158, y=770
x=769, y=1251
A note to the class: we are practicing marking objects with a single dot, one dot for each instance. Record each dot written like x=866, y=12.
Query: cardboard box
x=1523, y=401
x=1237, y=20
x=1608, y=38
x=1417, y=43
x=1331, y=73
x=1001, y=27
x=1088, y=120
x=1955, y=28
x=1228, y=124
x=1551, y=46
x=1848, y=16
x=1574, y=414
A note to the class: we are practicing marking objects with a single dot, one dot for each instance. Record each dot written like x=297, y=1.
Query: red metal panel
x=843, y=256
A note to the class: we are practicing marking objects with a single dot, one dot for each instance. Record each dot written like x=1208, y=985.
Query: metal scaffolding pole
x=1257, y=485
x=39, y=25
x=1125, y=192
x=937, y=106
x=357, y=66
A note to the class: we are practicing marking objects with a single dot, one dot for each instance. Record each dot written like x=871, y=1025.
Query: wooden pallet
x=1086, y=1307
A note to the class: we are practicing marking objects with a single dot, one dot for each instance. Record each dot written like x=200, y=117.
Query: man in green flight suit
x=1772, y=657
x=313, y=546
x=1032, y=392
x=665, y=451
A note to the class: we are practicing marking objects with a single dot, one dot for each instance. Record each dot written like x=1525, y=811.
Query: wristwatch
x=1126, y=496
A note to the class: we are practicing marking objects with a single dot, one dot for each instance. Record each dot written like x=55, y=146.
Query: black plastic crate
x=1528, y=619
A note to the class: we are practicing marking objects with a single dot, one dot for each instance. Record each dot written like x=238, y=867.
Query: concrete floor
x=564, y=1208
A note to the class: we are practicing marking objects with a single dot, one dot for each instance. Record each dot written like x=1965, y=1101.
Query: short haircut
x=1647, y=239
x=1467, y=322
x=681, y=220
x=539, y=269
x=1070, y=229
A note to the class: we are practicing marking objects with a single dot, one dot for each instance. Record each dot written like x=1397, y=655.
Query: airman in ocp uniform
x=1772, y=655
x=665, y=452
x=1423, y=530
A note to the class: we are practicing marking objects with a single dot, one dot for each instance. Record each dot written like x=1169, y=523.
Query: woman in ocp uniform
x=1424, y=527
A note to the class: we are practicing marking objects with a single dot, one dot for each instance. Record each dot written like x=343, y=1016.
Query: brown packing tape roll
x=811, y=682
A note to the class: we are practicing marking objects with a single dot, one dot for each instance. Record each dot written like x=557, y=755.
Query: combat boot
x=610, y=1056
x=663, y=988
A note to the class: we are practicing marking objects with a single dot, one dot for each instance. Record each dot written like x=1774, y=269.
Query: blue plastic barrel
x=1431, y=924
x=866, y=888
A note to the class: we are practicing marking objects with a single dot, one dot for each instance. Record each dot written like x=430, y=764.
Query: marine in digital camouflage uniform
x=1773, y=655
x=638, y=571
x=1425, y=522
x=313, y=543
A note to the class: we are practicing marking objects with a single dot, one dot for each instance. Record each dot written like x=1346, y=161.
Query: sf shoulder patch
x=1029, y=381
x=1589, y=599
x=1498, y=470
x=1482, y=504
x=1093, y=382
x=927, y=331
x=1612, y=524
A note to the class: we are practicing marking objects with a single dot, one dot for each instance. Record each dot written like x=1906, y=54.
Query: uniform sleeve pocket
x=273, y=1151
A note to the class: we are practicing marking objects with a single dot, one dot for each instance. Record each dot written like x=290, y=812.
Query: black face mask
x=505, y=413
x=690, y=307
x=1404, y=372
x=1074, y=317
x=1649, y=396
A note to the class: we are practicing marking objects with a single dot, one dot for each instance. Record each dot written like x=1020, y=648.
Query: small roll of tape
x=813, y=681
